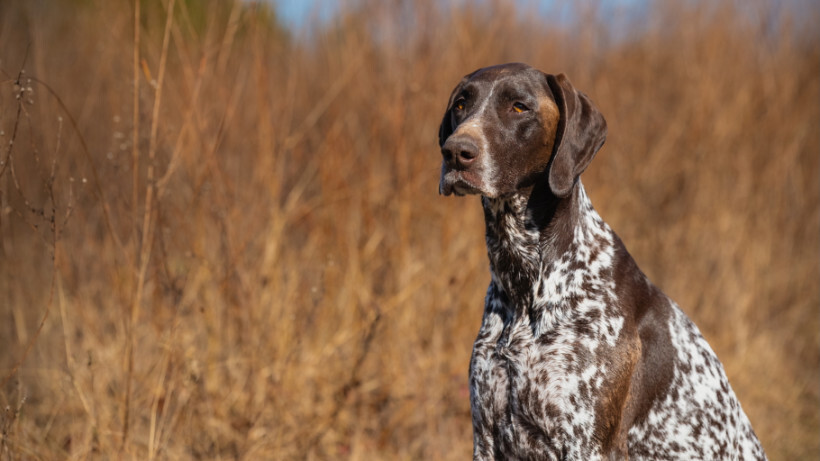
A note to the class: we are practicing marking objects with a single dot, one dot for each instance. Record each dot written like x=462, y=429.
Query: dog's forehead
x=516, y=76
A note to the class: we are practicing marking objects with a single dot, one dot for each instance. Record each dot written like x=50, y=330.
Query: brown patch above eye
x=549, y=116
x=549, y=113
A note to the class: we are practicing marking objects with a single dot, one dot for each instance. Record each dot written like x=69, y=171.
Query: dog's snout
x=459, y=152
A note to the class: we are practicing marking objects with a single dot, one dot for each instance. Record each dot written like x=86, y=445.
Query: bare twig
x=8, y=163
x=98, y=191
x=5, y=163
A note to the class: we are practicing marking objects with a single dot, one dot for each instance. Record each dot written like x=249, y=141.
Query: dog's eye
x=518, y=107
x=459, y=105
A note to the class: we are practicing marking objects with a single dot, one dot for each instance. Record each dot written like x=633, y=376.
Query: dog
x=579, y=356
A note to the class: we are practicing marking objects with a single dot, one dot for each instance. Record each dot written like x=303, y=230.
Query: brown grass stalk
x=147, y=222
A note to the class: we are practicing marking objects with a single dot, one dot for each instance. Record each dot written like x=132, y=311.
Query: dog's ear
x=580, y=133
x=446, y=128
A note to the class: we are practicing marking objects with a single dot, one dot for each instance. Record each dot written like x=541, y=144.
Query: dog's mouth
x=453, y=182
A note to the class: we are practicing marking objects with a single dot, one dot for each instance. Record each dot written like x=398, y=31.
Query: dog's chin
x=458, y=187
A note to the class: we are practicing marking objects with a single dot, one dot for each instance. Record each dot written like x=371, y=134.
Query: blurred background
x=220, y=234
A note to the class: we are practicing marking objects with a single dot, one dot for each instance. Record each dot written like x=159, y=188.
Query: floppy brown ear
x=580, y=134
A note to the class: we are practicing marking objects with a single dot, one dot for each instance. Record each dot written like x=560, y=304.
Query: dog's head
x=509, y=126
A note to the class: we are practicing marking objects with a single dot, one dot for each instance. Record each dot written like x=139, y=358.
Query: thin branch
x=100, y=195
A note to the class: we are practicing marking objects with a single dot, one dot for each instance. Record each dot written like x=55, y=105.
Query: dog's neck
x=537, y=243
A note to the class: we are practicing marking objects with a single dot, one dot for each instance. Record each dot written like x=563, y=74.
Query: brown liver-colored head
x=507, y=126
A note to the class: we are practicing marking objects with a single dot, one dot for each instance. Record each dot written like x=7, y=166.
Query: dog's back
x=699, y=417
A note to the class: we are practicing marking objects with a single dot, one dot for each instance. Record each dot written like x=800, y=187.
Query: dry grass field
x=220, y=239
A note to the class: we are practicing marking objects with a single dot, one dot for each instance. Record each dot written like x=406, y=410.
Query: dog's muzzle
x=460, y=169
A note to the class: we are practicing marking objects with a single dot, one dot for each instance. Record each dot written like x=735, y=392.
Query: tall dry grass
x=222, y=240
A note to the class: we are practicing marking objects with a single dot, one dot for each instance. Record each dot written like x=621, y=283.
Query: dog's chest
x=543, y=372
x=540, y=358
x=517, y=375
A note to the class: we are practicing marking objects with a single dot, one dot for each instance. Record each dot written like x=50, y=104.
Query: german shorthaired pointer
x=579, y=355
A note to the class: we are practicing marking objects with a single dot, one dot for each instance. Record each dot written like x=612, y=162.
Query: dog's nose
x=459, y=152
